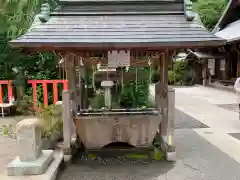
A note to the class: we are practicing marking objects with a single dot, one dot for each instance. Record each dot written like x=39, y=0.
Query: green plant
x=98, y=101
x=177, y=75
x=8, y=130
x=135, y=93
x=25, y=106
x=210, y=11
x=171, y=77
x=51, y=120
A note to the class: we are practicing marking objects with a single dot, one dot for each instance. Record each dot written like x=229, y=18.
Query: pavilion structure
x=228, y=68
x=88, y=30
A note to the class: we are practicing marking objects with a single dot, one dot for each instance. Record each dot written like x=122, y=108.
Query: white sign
x=211, y=66
x=118, y=59
x=222, y=64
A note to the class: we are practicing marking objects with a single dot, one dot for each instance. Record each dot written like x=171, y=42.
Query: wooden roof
x=203, y=55
x=228, y=26
x=230, y=15
x=115, y=24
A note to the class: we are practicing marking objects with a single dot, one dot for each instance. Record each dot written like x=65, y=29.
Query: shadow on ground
x=184, y=121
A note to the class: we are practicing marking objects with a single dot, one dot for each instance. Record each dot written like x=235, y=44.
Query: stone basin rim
x=116, y=112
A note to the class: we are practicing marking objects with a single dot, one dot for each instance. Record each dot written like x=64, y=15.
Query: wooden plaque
x=118, y=58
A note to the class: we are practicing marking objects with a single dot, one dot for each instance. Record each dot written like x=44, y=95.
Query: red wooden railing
x=9, y=89
x=34, y=83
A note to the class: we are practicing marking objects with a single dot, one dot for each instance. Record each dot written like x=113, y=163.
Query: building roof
x=231, y=32
x=119, y=24
x=228, y=26
x=203, y=55
x=230, y=14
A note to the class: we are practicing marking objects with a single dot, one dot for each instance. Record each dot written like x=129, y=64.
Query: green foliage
x=9, y=130
x=210, y=11
x=176, y=76
x=135, y=93
x=15, y=19
x=51, y=119
x=132, y=94
x=25, y=106
x=98, y=101
x=171, y=77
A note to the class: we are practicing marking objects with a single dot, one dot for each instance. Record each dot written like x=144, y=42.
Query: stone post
x=67, y=120
x=107, y=92
x=28, y=139
x=171, y=115
x=171, y=152
x=31, y=160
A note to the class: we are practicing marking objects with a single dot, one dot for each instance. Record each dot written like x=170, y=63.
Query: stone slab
x=50, y=173
x=37, y=167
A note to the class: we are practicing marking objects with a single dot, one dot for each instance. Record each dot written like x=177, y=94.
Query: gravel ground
x=197, y=160
x=7, y=145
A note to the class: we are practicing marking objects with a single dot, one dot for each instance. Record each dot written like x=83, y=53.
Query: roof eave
x=234, y=40
x=127, y=45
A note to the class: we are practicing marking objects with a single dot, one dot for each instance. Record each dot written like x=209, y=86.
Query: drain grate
x=230, y=107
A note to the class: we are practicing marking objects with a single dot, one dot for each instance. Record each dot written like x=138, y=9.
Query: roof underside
x=231, y=33
x=114, y=24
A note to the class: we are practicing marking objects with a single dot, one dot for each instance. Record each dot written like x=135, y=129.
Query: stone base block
x=19, y=168
x=49, y=174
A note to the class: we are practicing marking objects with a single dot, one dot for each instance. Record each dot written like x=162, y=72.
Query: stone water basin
x=98, y=128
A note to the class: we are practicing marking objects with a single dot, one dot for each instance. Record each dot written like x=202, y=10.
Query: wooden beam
x=70, y=61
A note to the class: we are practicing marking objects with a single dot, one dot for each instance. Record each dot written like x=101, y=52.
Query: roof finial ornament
x=45, y=12
x=190, y=15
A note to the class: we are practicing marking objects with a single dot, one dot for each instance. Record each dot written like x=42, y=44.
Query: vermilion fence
x=34, y=83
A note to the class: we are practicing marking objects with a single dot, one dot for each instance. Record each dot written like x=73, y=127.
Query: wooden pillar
x=238, y=64
x=166, y=97
x=79, y=88
x=204, y=72
x=164, y=94
x=158, y=87
x=85, y=99
x=71, y=77
x=223, y=69
x=69, y=104
x=228, y=66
